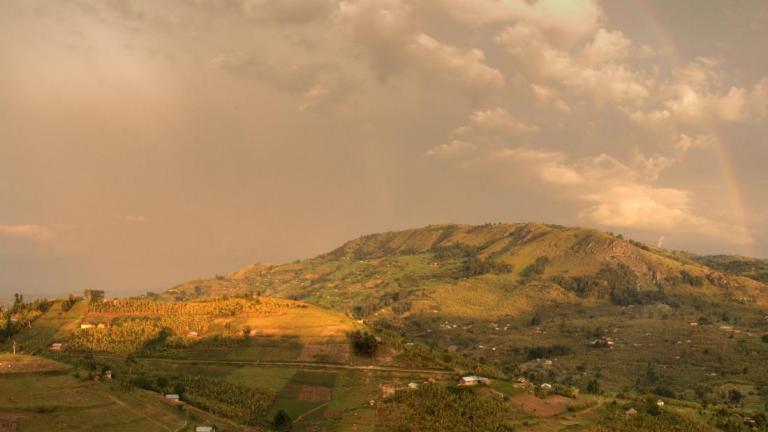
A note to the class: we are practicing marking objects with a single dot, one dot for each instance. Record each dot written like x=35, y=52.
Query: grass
x=272, y=378
x=20, y=363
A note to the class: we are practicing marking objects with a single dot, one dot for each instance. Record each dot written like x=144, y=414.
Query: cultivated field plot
x=62, y=402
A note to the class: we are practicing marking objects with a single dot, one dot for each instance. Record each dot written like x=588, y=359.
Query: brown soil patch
x=314, y=393
x=548, y=407
x=324, y=352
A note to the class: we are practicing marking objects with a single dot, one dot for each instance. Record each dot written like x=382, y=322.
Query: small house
x=659, y=403
x=86, y=326
x=472, y=380
x=192, y=334
x=630, y=412
x=101, y=326
x=413, y=386
x=546, y=386
x=107, y=375
x=56, y=346
x=204, y=429
x=173, y=398
x=252, y=333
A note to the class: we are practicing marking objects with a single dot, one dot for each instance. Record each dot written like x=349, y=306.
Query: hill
x=544, y=302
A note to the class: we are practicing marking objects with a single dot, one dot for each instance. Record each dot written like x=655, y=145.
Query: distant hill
x=439, y=266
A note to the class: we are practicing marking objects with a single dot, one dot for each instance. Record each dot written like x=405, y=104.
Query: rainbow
x=727, y=171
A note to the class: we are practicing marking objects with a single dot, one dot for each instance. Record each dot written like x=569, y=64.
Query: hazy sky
x=143, y=143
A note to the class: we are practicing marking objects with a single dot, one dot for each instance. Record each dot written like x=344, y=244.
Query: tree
x=593, y=386
x=282, y=421
x=536, y=320
x=68, y=303
x=364, y=343
x=94, y=296
x=8, y=331
x=18, y=302
x=130, y=361
x=735, y=396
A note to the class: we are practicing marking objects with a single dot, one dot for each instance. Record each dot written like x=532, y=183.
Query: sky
x=145, y=143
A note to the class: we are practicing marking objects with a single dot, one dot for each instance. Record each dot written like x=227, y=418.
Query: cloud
x=606, y=46
x=297, y=11
x=498, y=120
x=318, y=85
x=596, y=71
x=656, y=209
x=291, y=12
x=609, y=192
x=546, y=96
x=388, y=36
x=696, y=97
x=291, y=78
x=453, y=149
x=562, y=21
x=685, y=142
x=453, y=65
x=27, y=232
x=130, y=218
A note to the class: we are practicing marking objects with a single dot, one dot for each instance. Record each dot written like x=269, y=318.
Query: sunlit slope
x=225, y=328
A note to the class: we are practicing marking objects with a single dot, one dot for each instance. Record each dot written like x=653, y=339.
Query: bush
x=282, y=421
x=536, y=268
